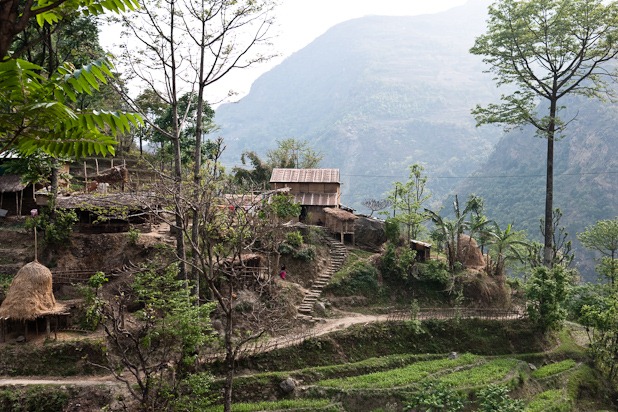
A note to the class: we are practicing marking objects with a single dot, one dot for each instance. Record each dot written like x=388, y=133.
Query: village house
x=314, y=189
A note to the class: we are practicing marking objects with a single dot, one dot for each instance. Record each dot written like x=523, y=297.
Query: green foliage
x=546, y=292
x=495, y=398
x=603, y=238
x=5, y=282
x=399, y=377
x=437, y=396
x=554, y=368
x=287, y=405
x=57, y=226
x=172, y=330
x=553, y=400
x=407, y=200
x=42, y=104
x=196, y=394
x=359, y=278
x=283, y=206
x=492, y=371
x=305, y=253
x=92, y=303
x=293, y=154
x=294, y=239
x=133, y=235
x=392, y=231
x=435, y=271
x=397, y=263
x=34, y=399
x=600, y=317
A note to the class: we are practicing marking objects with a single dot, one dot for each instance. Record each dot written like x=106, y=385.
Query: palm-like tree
x=506, y=245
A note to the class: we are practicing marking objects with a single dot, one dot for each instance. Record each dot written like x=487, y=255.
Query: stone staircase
x=338, y=255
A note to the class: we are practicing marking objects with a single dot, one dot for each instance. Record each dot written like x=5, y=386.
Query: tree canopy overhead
x=547, y=49
x=16, y=15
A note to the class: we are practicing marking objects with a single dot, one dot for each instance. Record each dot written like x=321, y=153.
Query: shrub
x=397, y=263
x=392, y=231
x=294, y=239
x=361, y=278
x=435, y=271
x=56, y=228
x=306, y=254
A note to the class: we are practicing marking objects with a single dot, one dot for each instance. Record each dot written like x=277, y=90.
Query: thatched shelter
x=15, y=195
x=341, y=222
x=30, y=297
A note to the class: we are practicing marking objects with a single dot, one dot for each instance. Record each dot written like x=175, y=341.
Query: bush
x=306, y=254
x=56, y=227
x=294, y=239
x=435, y=271
x=361, y=279
x=392, y=231
x=397, y=263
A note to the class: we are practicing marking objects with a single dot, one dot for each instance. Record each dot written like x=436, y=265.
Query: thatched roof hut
x=30, y=295
x=340, y=222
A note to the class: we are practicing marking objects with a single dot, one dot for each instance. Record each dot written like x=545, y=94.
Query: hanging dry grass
x=30, y=294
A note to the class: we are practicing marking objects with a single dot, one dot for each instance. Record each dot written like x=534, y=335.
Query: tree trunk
x=229, y=361
x=549, y=187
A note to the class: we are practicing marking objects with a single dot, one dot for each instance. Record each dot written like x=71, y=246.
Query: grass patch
x=287, y=405
x=354, y=256
x=401, y=376
x=554, y=368
x=553, y=400
x=490, y=372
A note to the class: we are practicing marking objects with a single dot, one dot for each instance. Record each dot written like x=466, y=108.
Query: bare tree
x=376, y=205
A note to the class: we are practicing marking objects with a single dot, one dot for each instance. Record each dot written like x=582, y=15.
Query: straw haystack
x=30, y=295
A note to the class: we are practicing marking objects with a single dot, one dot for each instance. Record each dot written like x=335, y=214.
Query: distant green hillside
x=375, y=95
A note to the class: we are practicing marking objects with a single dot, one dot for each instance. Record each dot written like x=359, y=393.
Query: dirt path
x=81, y=381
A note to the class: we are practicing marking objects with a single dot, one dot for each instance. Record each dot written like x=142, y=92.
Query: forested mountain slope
x=586, y=174
x=375, y=95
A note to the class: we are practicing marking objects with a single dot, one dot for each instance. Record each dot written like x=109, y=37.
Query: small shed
x=16, y=197
x=423, y=250
x=339, y=221
x=29, y=299
x=314, y=189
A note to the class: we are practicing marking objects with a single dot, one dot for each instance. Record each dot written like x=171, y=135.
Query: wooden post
x=47, y=327
x=96, y=162
x=85, y=177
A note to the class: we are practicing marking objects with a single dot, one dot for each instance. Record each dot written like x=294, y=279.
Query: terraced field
x=553, y=380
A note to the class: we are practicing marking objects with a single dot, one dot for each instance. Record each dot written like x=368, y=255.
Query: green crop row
x=324, y=405
x=490, y=372
x=554, y=368
x=554, y=400
x=401, y=376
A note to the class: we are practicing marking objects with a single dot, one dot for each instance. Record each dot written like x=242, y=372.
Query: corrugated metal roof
x=305, y=176
x=316, y=199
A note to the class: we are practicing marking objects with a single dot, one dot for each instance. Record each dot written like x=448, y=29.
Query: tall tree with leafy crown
x=546, y=50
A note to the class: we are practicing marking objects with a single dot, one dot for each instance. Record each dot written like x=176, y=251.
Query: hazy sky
x=299, y=22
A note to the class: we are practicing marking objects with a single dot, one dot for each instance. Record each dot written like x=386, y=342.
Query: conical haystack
x=30, y=295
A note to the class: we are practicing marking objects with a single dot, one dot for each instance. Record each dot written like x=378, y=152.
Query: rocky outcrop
x=369, y=233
